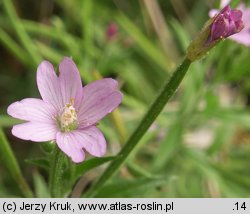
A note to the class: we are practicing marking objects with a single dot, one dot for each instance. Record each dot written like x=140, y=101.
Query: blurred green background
x=200, y=144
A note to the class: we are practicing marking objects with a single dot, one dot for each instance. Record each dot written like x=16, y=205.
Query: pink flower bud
x=225, y=24
x=111, y=31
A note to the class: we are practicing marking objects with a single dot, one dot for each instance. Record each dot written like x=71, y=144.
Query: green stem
x=11, y=164
x=154, y=110
x=56, y=173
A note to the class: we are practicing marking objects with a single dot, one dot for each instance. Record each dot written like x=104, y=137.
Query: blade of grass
x=183, y=14
x=21, y=33
x=144, y=43
x=11, y=164
x=10, y=44
x=162, y=30
x=87, y=24
x=49, y=53
x=68, y=41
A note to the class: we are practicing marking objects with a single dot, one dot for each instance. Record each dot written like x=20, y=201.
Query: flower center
x=68, y=118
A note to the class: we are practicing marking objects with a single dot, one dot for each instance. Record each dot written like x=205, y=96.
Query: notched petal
x=67, y=144
x=99, y=99
x=70, y=81
x=48, y=85
x=92, y=140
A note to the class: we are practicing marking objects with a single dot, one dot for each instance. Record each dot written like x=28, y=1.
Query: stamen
x=68, y=118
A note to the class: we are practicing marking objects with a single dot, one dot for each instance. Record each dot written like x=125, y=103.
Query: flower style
x=67, y=113
x=242, y=37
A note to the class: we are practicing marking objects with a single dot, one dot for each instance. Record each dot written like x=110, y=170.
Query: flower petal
x=224, y=3
x=92, y=140
x=70, y=81
x=99, y=98
x=34, y=131
x=244, y=36
x=48, y=85
x=32, y=109
x=66, y=142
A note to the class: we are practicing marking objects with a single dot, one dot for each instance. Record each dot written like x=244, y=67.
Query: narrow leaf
x=41, y=162
x=90, y=164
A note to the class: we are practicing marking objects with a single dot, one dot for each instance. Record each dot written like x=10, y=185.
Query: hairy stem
x=154, y=110
x=56, y=173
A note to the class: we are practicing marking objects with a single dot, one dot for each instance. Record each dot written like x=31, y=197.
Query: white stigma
x=68, y=119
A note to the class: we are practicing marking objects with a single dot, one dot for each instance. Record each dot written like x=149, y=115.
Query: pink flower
x=226, y=23
x=67, y=113
x=242, y=37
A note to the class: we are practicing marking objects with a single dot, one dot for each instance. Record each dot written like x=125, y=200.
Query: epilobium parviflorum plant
x=67, y=120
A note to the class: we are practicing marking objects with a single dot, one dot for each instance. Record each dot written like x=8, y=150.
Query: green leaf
x=169, y=146
x=138, y=171
x=47, y=147
x=149, y=48
x=41, y=162
x=41, y=188
x=7, y=121
x=13, y=47
x=90, y=164
x=223, y=135
x=228, y=174
x=130, y=188
x=10, y=162
x=23, y=36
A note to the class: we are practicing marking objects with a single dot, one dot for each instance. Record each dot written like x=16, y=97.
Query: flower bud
x=226, y=23
x=111, y=31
